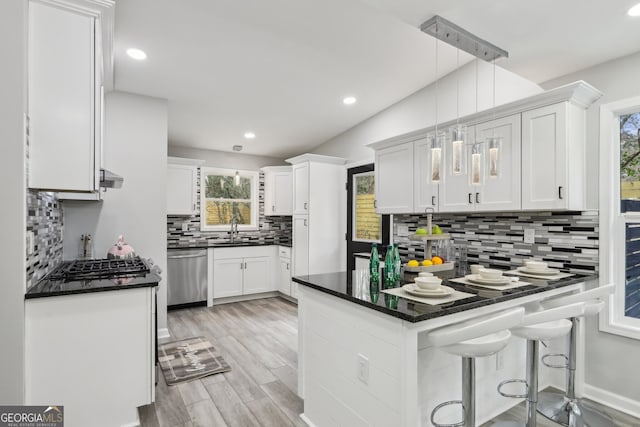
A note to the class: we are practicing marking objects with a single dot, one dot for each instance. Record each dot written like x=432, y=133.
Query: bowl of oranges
x=435, y=263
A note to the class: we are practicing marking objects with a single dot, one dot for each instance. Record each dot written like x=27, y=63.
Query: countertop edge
x=152, y=283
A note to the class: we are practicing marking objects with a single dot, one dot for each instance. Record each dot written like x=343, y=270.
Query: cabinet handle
x=287, y=266
x=305, y=206
x=433, y=200
x=477, y=197
x=470, y=201
x=560, y=192
x=245, y=265
x=273, y=208
x=375, y=203
x=241, y=266
x=305, y=222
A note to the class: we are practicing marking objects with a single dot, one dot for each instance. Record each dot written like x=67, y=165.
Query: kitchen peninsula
x=364, y=363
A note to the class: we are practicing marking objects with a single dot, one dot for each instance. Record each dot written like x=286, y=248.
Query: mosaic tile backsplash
x=566, y=240
x=44, y=218
x=272, y=229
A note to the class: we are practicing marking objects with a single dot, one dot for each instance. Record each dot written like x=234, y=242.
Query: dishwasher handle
x=186, y=256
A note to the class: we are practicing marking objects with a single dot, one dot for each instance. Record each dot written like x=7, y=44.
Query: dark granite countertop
x=214, y=244
x=339, y=285
x=51, y=288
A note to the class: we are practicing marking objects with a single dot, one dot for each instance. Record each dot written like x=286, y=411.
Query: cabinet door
x=300, y=246
x=456, y=192
x=425, y=191
x=257, y=275
x=394, y=179
x=501, y=192
x=62, y=99
x=284, y=279
x=282, y=194
x=544, y=158
x=301, y=188
x=181, y=190
x=227, y=277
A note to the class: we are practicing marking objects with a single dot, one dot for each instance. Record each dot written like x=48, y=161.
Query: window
x=225, y=197
x=620, y=214
x=367, y=224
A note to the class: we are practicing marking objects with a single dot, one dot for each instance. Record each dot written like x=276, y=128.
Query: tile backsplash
x=44, y=219
x=272, y=229
x=566, y=240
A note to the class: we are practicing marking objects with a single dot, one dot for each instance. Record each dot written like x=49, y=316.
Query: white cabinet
x=425, y=191
x=285, y=285
x=181, y=189
x=278, y=190
x=394, y=179
x=553, y=157
x=243, y=271
x=319, y=244
x=91, y=345
x=64, y=90
x=301, y=188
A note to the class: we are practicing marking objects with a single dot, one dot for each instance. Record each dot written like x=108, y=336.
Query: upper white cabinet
x=278, y=190
x=541, y=159
x=301, y=188
x=394, y=179
x=182, y=181
x=553, y=157
x=65, y=76
x=425, y=191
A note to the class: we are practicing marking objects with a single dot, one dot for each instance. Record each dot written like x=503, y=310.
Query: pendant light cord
x=437, y=83
x=458, y=79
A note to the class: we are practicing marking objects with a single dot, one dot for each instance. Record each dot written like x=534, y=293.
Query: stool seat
x=543, y=331
x=480, y=347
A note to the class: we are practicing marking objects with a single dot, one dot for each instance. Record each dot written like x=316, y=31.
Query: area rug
x=190, y=359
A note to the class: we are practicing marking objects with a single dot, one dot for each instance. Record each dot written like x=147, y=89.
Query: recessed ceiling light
x=249, y=135
x=136, y=54
x=634, y=11
x=349, y=100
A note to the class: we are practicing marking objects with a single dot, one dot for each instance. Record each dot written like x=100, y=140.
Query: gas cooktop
x=91, y=269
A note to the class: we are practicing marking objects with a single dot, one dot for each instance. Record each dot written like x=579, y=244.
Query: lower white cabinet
x=285, y=284
x=243, y=271
x=92, y=351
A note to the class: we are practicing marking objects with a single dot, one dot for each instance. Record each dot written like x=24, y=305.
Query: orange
x=437, y=260
x=427, y=262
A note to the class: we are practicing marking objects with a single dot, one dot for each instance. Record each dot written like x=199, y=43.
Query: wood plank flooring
x=258, y=339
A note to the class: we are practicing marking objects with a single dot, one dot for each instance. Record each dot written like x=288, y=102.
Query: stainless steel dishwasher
x=187, y=276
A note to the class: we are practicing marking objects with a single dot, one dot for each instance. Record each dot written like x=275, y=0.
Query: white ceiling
x=280, y=68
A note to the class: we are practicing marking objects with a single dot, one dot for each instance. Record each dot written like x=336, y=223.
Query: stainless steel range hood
x=109, y=179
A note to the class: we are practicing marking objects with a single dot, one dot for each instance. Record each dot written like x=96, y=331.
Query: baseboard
x=306, y=420
x=240, y=298
x=163, y=333
x=615, y=401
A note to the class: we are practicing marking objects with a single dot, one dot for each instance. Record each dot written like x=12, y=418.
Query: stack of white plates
x=477, y=279
x=413, y=289
x=539, y=271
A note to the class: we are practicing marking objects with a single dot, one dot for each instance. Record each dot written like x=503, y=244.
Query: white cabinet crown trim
x=579, y=93
x=316, y=158
x=184, y=161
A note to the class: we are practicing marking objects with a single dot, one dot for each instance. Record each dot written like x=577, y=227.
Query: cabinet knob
x=560, y=192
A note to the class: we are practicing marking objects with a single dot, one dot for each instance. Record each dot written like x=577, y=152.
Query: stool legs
x=469, y=391
x=533, y=349
x=566, y=409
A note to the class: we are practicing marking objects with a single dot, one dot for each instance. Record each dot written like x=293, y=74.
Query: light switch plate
x=363, y=368
x=529, y=235
x=402, y=230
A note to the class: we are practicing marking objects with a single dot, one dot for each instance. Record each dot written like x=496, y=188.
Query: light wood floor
x=259, y=340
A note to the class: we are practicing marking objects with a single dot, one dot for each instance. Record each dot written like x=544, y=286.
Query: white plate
x=414, y=290
x=541, y=272
x=476, y=278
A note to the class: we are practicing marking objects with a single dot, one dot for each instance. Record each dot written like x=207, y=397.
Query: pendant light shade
x=437, y=142
x=458, y=150
x=494, y=145
x=237, y=178
x=477, y=155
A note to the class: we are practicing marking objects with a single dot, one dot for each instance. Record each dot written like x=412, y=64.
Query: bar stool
x=566, y=408
x=536, y=326
x=473, y=338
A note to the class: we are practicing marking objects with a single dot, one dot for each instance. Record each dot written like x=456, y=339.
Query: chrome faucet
x=234, y=228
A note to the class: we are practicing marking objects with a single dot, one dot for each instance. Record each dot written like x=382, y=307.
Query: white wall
x=611, y=360
x=418, y=111
x=12, y=194
x=135, y=147
x=224, y=159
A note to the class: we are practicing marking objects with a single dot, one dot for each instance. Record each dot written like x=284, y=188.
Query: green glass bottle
x=389, y=269
x=374, y=274
x=397, y=263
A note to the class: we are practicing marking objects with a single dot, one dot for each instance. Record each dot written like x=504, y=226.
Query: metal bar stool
x=537, y=326
x=566, y=408
x=473, y=338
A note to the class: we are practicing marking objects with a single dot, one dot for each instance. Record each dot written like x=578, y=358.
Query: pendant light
x=437, y=138
x=458, y=132
x=237, y=178
x=494, y=143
